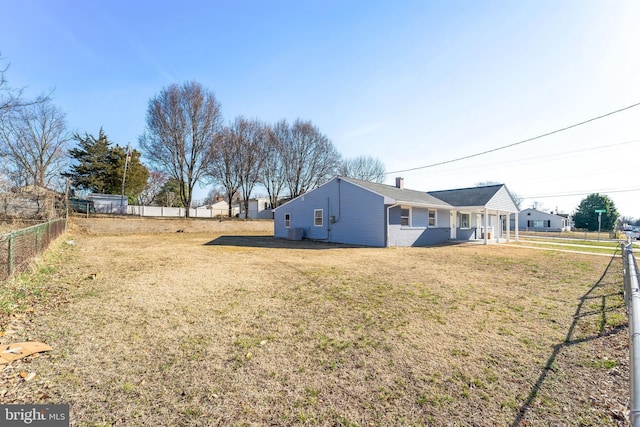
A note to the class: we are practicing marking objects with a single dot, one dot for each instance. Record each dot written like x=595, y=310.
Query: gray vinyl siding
x=418, y=234
x=442, y=218
x=467, y=233
x=302, y=210
x=359, y=215
x=419, y=217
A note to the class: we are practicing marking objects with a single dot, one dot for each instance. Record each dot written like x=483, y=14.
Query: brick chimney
x=399, y=182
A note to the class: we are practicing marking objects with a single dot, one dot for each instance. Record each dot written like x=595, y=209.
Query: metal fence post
x=632, y=297
x=10, y=250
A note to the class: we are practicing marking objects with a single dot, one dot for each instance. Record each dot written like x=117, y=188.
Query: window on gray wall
x=287, y=220
x=317, y=217
x=465, y=220
x=432, y=217
x=405, y=216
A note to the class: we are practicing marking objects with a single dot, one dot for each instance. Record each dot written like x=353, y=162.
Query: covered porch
x=481, y=224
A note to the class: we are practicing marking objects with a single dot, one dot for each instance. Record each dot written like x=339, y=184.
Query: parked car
x=633, y=234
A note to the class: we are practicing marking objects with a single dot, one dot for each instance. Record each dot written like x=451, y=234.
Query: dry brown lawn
x=195, y=329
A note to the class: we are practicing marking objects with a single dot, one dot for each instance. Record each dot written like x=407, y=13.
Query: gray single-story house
x=535, y=220
x=348, y=210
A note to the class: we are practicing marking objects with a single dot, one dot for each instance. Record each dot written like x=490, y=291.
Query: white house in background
x=535, y=220
x=221, y=208
x=259, y=208
x=348, y=210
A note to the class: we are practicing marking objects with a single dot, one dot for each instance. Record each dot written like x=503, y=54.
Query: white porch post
x=453, y=216
x=516, y=226
x=498, y=225
x=508, y=227
x=486, y=226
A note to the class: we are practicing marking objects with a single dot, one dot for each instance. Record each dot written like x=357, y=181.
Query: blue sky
x=412, y=82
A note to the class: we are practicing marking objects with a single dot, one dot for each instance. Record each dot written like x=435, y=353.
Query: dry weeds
x=195, y=329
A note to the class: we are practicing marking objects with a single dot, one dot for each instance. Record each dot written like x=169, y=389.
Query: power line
x=515, y=143
x=584, y=193
x=527, y=160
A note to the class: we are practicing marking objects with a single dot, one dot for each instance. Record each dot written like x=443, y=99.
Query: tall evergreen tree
x=93, y=167
x=587, y=217
x=99, y=167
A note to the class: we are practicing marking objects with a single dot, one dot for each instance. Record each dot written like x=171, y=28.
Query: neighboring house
x=221, y=208
x=31, y=203
x=259, y=208
x=347, y=210
x=570, y=225
x=535, y=220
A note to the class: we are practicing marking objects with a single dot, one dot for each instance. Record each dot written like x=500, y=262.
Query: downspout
x=389, y=234
x=328, y=219
x=331, y=219
x=339, y=202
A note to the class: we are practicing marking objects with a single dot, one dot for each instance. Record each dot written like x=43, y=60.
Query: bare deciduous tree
x=308, y=157
x=183, y=125
x=365, y=168
x=250, y=140
x=271, y=174
x=9, y=98
x=153, y=189
x=33, y=143
x=239, y=159
x=223, y=168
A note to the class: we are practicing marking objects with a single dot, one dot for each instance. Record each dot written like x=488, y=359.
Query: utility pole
x=124, y=176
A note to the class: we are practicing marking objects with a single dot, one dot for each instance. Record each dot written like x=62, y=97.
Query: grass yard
x=195, y=329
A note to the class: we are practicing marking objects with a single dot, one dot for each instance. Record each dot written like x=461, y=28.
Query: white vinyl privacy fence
x=118, y=208
x=161, y=211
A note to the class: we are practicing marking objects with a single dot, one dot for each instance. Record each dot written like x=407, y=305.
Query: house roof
x=399, y=195
x=473, y=196
x=462, y=197
x=529, y=211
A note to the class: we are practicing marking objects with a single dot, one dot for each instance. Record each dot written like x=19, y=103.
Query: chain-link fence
x=18, y=248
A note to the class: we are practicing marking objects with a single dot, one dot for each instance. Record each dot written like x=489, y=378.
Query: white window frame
x=408, y=217
x=287, y=220
x=462, y=215
x=435, y=218
x=316, y=218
